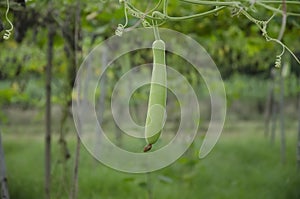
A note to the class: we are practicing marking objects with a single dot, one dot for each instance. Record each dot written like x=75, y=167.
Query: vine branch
x=236, y=6
x=283, y=23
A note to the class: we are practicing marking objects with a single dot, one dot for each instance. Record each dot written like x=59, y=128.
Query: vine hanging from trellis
x=244, y=7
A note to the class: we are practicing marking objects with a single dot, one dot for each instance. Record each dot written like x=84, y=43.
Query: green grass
x=242, y=165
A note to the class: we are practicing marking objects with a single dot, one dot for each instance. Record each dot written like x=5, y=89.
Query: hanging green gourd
x=158, y=94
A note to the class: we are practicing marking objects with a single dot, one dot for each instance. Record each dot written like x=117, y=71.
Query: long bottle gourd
x=158, y=94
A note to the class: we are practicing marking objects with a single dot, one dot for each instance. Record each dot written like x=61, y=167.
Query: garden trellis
x=154, y=16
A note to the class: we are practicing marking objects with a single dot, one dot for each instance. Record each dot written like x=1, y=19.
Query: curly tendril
x=119, y=31
x=8, y=32
x=263, y=27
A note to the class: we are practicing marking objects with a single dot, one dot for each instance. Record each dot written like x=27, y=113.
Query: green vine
x=237, y=7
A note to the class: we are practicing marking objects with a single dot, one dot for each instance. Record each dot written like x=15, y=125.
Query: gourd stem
x=155, y=28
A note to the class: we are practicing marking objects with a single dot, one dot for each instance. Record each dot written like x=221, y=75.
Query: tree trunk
x=3, y=179
x=282, y=127
x=48, y=112
x=274, y=114
x=281, y=103
x=74, y=188
x=124, y=68
x=101, y=101
x=268, y=111
x=298, y=144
